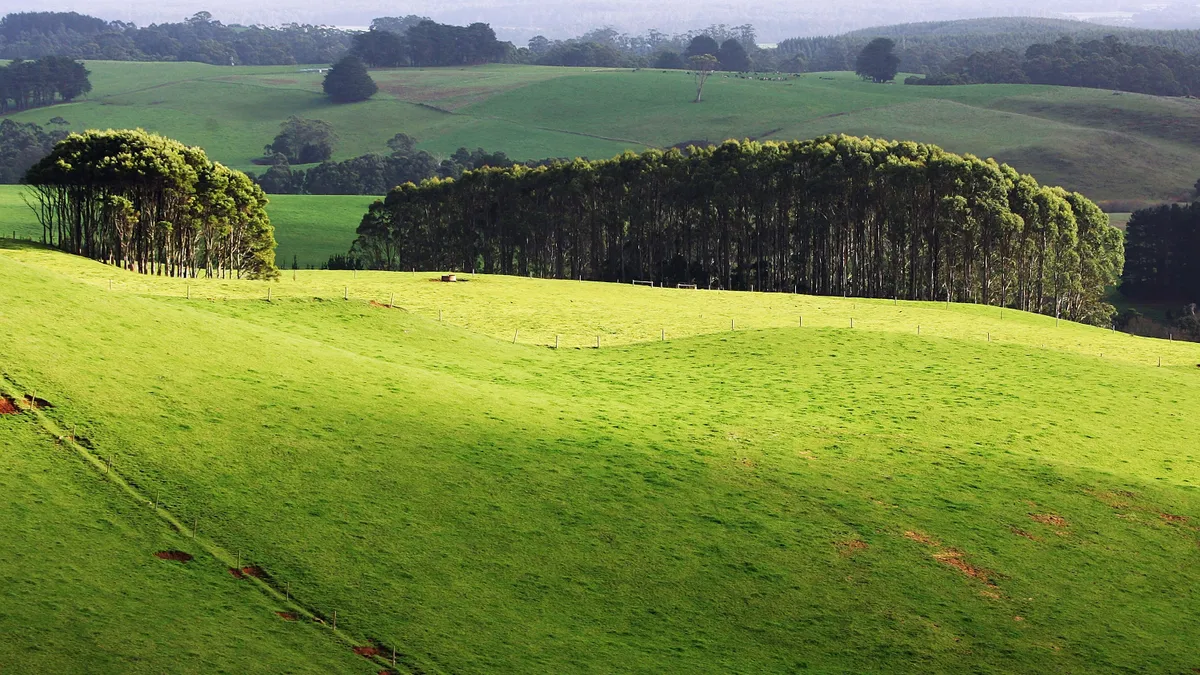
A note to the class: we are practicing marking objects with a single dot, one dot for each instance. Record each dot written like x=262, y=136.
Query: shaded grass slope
x=767, y=500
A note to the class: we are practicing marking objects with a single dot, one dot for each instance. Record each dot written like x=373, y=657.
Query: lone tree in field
x=349, y=82
x=703, y=65
x=877, y=61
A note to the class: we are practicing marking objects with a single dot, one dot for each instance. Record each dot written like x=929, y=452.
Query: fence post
x=346, y=293
x=556, y=342
x=515, y=334
x=392, y=300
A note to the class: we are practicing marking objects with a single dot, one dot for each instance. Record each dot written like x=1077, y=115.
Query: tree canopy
x=732, y=56
x=348, y=81
x=700, y=45
x=303, y=141
x=152, y=205
x=877, y=61
x=835, y=216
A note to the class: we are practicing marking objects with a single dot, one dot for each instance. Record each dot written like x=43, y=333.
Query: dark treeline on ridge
x=46, y=81
x=832, y=216
x=152, y=205
x=1107, y=63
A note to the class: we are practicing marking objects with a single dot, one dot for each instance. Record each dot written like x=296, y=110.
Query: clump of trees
x=152, y=205
x=878, y=61
x=348, y=81
x=46, y=81
x=301, y=141
x=1162, y=254
x=1107, y=63
x=428, y=43
x=835, y=216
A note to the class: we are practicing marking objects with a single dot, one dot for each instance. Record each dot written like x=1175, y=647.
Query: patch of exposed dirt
x=7, y=407
x=367, y=651
x=1050, y=519
x=381, y=305
x=288, y=616
x=851, y=546
x=1171, y=518
x=954, y=558
x=1022, y=533
x=923, y=538
x=236, y=573
x=254, y=571
x=178, y=556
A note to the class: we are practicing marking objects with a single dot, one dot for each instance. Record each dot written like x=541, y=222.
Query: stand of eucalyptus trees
x=836, y=215
x=152, y=205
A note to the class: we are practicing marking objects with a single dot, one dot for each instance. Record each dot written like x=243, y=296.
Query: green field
x=997, y=493
x=309, y=228
x=1108, y=146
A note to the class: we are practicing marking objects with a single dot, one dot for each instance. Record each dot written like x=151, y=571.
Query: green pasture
x=995, y=494
x=1108, y=146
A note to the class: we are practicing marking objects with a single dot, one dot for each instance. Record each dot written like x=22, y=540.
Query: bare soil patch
x=7, y=407
x=922, y=538
x=1022, y=533
x=1172, y=518
x=954, y=558
x=288, y=616
x=851, y=546
x=254, y=571
x=367, y=651
x=178, y=556
x=1049, y=519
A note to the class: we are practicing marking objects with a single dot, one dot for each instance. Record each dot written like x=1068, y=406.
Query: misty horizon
x=519, y=20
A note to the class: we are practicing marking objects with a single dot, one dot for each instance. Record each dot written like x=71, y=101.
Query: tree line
x=1107, y=63
x=152, y=205
x=46, y=81
x=198, y=38
x=835, y=215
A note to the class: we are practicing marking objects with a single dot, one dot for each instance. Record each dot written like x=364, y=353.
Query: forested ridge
x=152, y=205
x=834, y=216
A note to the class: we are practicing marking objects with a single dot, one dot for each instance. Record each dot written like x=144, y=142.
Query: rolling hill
x=1109, y=146
x=888, y=487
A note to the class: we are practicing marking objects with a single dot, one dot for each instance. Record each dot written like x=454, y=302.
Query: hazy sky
x=518, y=20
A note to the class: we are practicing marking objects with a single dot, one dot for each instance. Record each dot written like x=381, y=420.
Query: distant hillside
x=928, y=47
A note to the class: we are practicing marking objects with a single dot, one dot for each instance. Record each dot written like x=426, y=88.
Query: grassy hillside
x=766, y=499
x=1128, y=146
x=309, y=229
